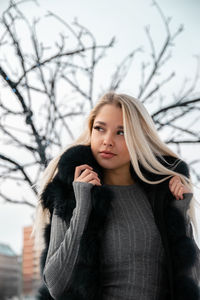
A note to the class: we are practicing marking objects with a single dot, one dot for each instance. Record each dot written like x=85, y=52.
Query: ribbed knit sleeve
x=65, y=242
x=183, y=206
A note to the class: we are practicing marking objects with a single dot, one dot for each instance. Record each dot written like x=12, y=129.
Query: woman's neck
x=119, y=181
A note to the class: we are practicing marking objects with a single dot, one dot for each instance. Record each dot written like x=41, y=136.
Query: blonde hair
x=143, y=143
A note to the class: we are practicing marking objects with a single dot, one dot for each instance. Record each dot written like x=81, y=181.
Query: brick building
x=30, y=265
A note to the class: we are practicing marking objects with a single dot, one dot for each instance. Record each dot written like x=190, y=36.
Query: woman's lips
x=106, y=155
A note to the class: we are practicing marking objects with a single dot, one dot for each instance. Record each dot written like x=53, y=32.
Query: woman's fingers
x=79, y=169
x=84, y=173
x=93, y=178
x=173, y=183
x=89, y=175
x=177, y=188
x=180, y=193
x=95, y=182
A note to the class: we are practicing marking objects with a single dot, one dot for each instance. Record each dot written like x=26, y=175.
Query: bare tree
x=37, y=80
x=35, y=118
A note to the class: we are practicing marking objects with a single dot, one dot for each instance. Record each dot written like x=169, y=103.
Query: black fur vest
x=181, y=250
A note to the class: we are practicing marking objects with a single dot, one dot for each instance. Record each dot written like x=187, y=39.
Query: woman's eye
x=121, y=131
x=98, y=127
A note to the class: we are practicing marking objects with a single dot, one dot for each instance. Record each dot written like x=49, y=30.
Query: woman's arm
x=183, y=197
x=64, y=242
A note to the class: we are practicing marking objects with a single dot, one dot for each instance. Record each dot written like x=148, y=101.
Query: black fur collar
x=82, y=154
x=181, y=251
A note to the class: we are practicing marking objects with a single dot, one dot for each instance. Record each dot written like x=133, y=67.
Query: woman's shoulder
x=176, y=164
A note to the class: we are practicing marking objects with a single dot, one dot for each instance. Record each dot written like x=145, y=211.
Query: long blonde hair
x=143, y=143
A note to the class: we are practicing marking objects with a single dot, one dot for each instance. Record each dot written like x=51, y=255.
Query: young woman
x=116, y=210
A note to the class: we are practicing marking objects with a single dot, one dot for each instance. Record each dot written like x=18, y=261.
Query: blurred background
x=56, y=59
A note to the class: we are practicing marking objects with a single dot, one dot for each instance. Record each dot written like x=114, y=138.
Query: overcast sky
x=125, y=20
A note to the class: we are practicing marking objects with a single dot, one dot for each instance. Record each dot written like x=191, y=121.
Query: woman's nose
x=108, y=140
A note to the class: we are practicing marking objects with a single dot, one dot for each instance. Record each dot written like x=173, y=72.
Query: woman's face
x=109, y=137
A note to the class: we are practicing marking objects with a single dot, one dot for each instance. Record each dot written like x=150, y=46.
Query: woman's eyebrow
x=103, y=123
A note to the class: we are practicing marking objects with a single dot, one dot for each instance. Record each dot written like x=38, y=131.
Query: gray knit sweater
x=132, y=256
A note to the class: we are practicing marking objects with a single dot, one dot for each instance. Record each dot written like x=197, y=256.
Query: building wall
x=10, y=276
x=30, y=264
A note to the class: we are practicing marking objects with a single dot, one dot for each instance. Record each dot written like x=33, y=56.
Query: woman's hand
x=177, y=187
x=84, y=173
